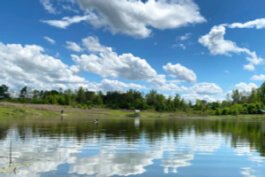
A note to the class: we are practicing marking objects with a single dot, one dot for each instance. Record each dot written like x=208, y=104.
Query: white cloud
x=50, y=40
x=249, y=67
x=73, y=46
x=180, y=72
x=160, y=83
x=217, y=45
x=185, y=37
x=179, y=45
x=248, y=172
x=260, y=77
x=92, y=44
x=206, y=88
x=171, y=87
x=204, y=91
x=209, y=98
x=29, y=65
x=48, y=6
x=65, y=21
x=135, y=18
x=258, y=24
x=245, y=88
x=105, y=62
x=59, y=6
x=114, y=85
x=181, y=41
x=74, y=69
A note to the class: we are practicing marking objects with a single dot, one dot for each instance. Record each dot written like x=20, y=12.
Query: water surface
x=133, y=147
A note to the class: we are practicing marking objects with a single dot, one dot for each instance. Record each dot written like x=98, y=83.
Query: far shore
x=18, y=110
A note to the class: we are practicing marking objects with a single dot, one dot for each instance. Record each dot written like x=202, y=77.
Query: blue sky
x=199, y=49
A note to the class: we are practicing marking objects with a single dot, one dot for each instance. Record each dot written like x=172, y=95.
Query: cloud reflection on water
x=101, y=157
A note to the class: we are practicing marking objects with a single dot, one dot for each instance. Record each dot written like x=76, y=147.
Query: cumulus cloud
x=29, y=65
x=135, y=18
x=245, y=88
x=50, y=40
x=206, y=88
x=204, y=91
x=192, y=97
x=105, y=62
x=180, y=72
x=162, y=84
x=260, y=77
x=72, y=46
x=170, y=86
x=114, y=85
x=217, y=45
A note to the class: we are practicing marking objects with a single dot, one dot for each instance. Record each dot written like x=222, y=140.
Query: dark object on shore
x=62, y=111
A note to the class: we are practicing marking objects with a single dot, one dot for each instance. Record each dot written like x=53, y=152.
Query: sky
x=200, y=49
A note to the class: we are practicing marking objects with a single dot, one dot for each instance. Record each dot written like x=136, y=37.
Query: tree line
x=238, y=103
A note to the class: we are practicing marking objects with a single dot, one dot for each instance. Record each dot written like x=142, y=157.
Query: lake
x=150, y=147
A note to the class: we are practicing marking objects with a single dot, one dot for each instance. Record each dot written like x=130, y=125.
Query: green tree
x=151, y=98
x=236, y=96
x=254, y=97
x=23, y=92
x=4, y=92
x=262, y=93
x=80, y=97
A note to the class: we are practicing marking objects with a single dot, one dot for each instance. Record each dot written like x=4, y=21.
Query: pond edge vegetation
x=237, y=104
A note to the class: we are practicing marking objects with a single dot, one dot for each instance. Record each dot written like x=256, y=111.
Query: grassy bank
x=21, y=111
x=17, y=110
x=42, y=111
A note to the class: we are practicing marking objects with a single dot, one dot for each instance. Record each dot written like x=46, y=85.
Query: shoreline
x=18, y=110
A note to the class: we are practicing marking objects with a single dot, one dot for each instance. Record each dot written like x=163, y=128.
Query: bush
x=225, y=111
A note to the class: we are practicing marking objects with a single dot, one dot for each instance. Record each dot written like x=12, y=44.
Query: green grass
x=23, y=111
x=7, y=112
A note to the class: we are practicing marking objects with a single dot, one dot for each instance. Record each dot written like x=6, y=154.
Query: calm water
x=133, y=147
